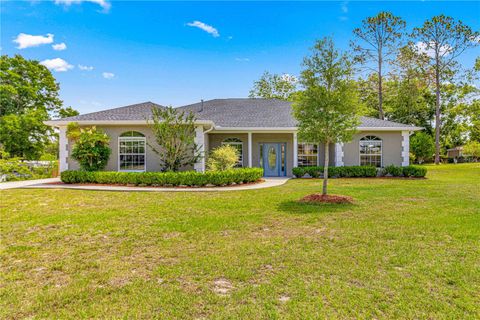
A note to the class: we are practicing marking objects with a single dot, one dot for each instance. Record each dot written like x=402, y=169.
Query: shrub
x=472, y=149
x=336, y=172
x=393, y=171
x=14, y=169
x=91, y=148
x=222, y=158
x=422, y=146
x=187, y=178
x=414, y=171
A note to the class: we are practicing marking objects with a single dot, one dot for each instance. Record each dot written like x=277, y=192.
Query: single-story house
x=263, y=130
x=455, y=152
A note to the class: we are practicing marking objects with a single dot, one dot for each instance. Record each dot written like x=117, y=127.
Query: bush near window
x=91, y=147
x=222, y=158
x=361, y=171
x=336, y=172
x=170, y=178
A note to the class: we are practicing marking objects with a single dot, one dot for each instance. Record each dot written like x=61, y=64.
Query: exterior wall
x=331, y=155
x=152, y=159
x=391, y=148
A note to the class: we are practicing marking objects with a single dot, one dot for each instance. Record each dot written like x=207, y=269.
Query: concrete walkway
x=25, y=183
x=268, y=183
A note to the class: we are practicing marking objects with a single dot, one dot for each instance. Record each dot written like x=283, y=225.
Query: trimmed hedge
x=361, y=171
x=336, y=172
x=171, y=179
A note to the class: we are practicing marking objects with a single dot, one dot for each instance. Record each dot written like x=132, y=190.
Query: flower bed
x=164, y=179
x=361, y=171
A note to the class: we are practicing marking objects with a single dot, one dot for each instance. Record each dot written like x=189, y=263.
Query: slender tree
x=327, y=108
x=443, y=39
x=376, y=42
x=274, y=86
x=175, y=134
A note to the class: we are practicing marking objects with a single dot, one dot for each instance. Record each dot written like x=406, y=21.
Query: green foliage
x=175, y=134
x=24, y=135
x=414, y=171
x=15, y=169
x=187, y=178
x=337, y=172
x=91, y=149
x=422, y=146
x=375, y=43
x=67, y=112
x=327, y=110
x=28, y=96
x=274, y=86
x=472, y=149
x=393, y=170
x=222, y=158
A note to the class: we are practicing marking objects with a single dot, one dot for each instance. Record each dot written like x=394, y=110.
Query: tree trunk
x=437, y=114
x=325, y=170
x=380, y=87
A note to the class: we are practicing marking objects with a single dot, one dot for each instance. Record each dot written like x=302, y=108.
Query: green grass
x=405, y=249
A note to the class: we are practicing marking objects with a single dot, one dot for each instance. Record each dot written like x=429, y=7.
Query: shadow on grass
x=296, y=207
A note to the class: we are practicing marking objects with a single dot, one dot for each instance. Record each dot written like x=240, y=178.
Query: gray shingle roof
x=139, y=111
x=249, y=112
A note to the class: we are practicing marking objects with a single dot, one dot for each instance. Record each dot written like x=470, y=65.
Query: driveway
x=25, y=183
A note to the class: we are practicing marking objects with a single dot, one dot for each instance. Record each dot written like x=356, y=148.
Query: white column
x=405, y=148
x=199, y=166
x=295, y=150
x=63, y=149
x=249, y=149
x=339, y=154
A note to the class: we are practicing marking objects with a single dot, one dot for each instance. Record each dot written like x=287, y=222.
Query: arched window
x=371, y=151
x=131, y=151
x=237, y=144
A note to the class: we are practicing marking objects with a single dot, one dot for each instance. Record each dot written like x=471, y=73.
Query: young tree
x=274, y=86
x=223, y=158
x=422, y=146
x=91, y=147
x=327, y=110
x=175, y=134
x=472, y=149
x=375, y=43
x=443, y=39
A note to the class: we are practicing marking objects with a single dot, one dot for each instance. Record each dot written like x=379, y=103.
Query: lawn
x=405, y=249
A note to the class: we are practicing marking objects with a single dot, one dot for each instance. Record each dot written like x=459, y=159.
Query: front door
x=273, y=159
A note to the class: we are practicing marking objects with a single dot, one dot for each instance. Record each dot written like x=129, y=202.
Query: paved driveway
x=25, y=183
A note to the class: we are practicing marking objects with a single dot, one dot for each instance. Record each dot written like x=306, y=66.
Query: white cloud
x=242, y=59
x=85, y=68
x=108, y=75
x=429, y=49
x=57, y=64
x=205, y=27
x=344, y=6
x=102, y=3
x=59, y=46
x=27, y=40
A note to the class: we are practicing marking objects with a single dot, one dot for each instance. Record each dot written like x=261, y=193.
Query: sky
x=108, y=54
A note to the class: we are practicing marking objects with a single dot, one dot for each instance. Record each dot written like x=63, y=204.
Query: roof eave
x=62, y=123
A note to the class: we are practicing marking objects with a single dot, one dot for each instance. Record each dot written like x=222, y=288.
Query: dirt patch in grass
x=328, y=198
x=222, y=286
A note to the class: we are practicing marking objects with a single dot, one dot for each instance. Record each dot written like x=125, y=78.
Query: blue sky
x=154, y=51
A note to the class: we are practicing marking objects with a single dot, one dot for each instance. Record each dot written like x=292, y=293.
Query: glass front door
x=273, y=159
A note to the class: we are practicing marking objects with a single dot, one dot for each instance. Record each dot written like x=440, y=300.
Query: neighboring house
x=263, y=130
x=455, y=152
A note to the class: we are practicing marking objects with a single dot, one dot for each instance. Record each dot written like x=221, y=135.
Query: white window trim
x=144, y=152
x=237, y=144
x=381, y=151
x=309, y=155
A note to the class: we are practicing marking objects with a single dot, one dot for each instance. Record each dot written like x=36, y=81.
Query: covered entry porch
x=272, y=151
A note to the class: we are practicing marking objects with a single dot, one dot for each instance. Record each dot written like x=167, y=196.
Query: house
x=455, y=153
x=263, y=130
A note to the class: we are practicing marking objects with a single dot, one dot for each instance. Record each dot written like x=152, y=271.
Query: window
x=371, y=151
x=131, y=151
x=307, y=155
x=237, y=144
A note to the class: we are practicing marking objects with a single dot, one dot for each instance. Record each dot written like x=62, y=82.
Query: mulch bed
x=329, y=198
x=141, y=186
